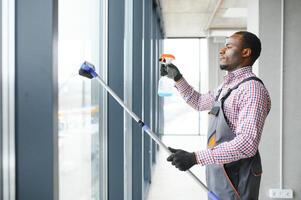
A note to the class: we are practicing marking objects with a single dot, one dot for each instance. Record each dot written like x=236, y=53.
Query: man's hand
x=171, y=71
x=181, y=159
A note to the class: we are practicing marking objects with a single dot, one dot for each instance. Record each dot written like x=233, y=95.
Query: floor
x=168, y=183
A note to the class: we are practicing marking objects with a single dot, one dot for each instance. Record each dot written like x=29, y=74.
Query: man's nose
x=222, y=51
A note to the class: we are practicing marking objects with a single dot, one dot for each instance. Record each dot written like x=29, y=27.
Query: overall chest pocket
x=214, y=111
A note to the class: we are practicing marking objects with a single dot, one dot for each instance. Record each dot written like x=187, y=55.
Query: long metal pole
x=152, y=134
x=88, y=70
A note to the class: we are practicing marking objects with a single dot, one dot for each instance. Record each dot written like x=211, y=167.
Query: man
x=238, y=109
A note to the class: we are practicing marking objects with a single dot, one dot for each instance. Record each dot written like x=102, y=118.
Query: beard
x=223, y=67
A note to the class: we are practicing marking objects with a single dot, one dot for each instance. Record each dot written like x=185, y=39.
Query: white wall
x=268, y=27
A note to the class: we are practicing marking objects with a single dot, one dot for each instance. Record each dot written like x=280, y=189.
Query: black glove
x=181, y=159
x=171, y=71
x=163, y=70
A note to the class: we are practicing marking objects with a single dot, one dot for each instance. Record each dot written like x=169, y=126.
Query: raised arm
x=193, y=98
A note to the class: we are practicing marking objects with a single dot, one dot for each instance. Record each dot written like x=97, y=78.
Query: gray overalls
x=239, y=179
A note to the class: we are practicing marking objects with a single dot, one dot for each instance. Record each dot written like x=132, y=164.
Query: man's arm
x=193, y=98
x=254, y=106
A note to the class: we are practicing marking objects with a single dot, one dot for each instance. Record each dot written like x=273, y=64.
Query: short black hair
x=251, y=41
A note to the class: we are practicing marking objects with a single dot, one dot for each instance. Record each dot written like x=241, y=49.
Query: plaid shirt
x=246, y=110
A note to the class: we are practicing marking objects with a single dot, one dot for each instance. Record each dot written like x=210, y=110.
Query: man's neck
x=237, y=68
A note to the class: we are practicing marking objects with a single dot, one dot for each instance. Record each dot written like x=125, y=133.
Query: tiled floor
x=168, y=183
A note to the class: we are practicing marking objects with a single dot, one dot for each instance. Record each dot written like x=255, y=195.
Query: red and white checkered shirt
x=246, y=110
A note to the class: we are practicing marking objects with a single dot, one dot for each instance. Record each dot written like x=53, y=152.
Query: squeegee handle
x=212, y=196
x=151, y=133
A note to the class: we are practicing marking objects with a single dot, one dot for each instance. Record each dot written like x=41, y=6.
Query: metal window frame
x=115, y=112
x=127, y=92
x=146, y=117
x=142, y=98
x=103, y=71
x=8, y=99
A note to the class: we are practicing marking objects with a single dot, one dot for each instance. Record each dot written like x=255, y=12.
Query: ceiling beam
x=217, y=6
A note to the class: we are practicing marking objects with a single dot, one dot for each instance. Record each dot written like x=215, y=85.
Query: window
x=191, y=59
x=79, y=160
x=7, y=99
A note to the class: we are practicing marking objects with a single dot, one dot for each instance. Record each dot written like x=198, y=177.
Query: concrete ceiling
x=201, y=18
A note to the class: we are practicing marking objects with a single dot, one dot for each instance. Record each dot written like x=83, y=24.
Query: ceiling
x=202, y=18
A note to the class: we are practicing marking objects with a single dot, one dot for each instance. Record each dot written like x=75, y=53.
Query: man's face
x=231, y=54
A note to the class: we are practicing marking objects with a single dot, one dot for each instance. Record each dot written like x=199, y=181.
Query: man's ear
x=246, y=52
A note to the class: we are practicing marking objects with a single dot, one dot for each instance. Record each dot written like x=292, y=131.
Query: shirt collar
x=236, y=74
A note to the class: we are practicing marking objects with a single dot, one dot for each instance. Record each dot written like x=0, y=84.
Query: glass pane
x=179, y=118
x=79, y=22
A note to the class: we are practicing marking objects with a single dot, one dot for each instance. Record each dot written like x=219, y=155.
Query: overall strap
x=218, y=93
x=235, y=87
